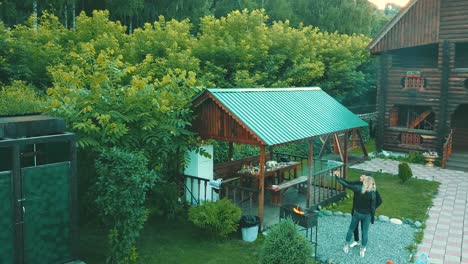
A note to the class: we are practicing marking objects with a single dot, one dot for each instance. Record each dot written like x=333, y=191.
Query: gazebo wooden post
x=361, y=142
x=345, y=154
x=270, y=150
x=338, y=145
x=261, y=185
x=310, y=162
x=324, y=144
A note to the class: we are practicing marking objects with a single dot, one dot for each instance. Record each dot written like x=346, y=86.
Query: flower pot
x=430, y=161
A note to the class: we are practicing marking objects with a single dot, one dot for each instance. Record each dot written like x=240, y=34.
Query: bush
x=285, y=245
x=416, y=157
x=122, y=182
x=404, y=172
x=19, y=99
x=219, y=218
x=165, y=198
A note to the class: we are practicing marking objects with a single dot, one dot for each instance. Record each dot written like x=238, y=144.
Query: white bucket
x=249, y=234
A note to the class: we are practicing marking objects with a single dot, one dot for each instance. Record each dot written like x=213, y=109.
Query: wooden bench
x=278, y=190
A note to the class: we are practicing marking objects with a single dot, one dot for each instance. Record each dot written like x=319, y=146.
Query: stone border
x=381, y=218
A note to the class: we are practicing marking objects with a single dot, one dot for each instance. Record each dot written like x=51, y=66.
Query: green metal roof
x=281, y=115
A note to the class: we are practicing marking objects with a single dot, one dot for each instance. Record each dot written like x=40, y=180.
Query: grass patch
x=173, y=242
x=408, y=200
x=370, y=147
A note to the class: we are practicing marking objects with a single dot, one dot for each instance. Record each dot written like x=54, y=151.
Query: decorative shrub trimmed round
x=404, y=172
x=285, y=245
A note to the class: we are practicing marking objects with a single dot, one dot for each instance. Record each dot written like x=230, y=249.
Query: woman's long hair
x=368, y=185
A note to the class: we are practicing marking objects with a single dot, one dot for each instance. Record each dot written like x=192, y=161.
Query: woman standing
x=364, y=205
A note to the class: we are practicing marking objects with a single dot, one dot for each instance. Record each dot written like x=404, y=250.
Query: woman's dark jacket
x=364, y=203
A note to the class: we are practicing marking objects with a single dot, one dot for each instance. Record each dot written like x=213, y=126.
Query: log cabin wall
x=402, y=61
x=453, y=20
x=412, y=47
x=454, y=28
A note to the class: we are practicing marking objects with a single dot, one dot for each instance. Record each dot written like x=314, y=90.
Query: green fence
x=46, y=213
x=6, y=219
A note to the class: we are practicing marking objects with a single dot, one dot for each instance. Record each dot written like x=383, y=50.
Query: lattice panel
x=47, y=213
x=410, y=139
x=6, y=219
x=414, y=82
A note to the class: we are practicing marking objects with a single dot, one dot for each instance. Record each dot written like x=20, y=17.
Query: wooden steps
x=458, y=161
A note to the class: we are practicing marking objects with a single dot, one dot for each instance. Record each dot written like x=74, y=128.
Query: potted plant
x=430, y=157
x=249, y=227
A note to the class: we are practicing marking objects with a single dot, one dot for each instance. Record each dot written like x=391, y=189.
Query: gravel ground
x=387, y=241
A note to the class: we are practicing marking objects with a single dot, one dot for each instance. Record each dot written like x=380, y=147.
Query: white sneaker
x=355, y=243
x=346, y=248
x=362, y=252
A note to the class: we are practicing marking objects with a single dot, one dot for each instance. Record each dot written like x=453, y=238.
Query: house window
x=461, y=55
x=412, y=117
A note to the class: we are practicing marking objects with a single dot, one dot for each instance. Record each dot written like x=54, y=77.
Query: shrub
x=404, y=172
x=219, y=218
x=19, y=99
x=285, y=245
x=165, y=198
x=122, y=182
x=416, y=157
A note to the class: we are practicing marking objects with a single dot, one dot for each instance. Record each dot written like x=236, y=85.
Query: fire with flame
x=297, y=210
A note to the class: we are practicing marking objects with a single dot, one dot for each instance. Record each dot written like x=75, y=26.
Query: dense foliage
x=121, y=186
x=357, y=16
x=285, y=245
x=134, y=91
x=20, y=98
x=218, y=219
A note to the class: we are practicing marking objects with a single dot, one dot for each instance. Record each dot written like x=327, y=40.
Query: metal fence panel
x=47, y=231
x=6, y=219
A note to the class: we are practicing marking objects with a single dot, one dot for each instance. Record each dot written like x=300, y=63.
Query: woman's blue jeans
x=365, y=218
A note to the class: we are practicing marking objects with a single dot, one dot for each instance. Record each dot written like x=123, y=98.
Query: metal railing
x=325, y=188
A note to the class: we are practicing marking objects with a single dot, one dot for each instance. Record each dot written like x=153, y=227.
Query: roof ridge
x=217, y=90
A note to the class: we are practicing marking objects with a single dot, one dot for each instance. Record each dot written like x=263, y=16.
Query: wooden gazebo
x=270, y=117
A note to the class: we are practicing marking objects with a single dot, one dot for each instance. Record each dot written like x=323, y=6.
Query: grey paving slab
x=448, y=212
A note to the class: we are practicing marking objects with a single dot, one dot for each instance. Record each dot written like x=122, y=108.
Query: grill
x=308, y=221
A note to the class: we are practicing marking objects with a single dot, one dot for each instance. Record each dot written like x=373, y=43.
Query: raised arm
x=349, y=185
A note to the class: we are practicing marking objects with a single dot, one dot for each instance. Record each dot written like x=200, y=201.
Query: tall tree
x=391, y=9
x=125, y=10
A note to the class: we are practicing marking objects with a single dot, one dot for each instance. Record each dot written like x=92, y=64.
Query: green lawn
x=370, y=147
x=174, y=242
x=408, y=200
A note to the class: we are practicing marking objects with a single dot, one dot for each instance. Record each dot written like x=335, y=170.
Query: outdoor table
x=250, y=177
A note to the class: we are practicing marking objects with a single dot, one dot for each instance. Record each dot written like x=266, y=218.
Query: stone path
x=447, y=224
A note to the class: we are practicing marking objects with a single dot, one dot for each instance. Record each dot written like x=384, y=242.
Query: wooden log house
x=422, y=89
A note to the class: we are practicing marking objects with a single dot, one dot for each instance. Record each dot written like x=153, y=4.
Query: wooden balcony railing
x=447, y=149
